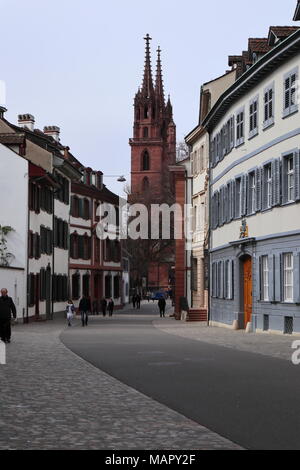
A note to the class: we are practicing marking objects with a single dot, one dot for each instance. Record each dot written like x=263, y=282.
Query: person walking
x=111, y=307
x=134, y=300
x=104, y=306
x=162, y=307
x=7, y=310
x=138, y=301
x=84, y=308
x=70, y=309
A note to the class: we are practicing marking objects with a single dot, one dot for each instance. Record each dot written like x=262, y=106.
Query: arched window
x=146, y=112
x=146, y=161
x=146, y=184
x=145, y=132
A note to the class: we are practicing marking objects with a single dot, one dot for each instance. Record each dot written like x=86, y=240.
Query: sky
x=78, y=64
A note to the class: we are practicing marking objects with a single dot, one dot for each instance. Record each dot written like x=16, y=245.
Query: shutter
x=271, y=262
x=260, y=277
x=264, y=192
x=244, y=195
x=297, y=175
x=232, y=279
x=258, y=196
x=80, y=247
x=276, y=182
x=81, y=208
x=297, y=278
x=278, y=277
x=232, y=200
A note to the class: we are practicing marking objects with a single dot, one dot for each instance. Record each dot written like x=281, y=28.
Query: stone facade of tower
x=153, y=146
x=153, y=151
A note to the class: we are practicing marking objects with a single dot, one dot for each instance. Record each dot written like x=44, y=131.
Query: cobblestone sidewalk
x=52, y=399
x=267, y=344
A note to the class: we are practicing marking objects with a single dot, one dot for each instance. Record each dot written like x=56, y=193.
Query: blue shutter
x=278, y=284
x=232, y=193
x=244, y=195
x=260, y=277
x=271, y=261
x=297, y=175
x=297, y=278
x=258, y=196
x=276, y=182
x=264, y=186
x=221, y=281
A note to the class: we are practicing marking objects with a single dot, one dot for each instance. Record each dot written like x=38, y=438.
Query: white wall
x=14, y=203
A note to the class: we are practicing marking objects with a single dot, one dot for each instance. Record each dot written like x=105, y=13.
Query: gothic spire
x=159, y=85
x=147, y=88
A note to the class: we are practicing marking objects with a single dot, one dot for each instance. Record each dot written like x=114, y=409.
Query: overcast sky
x=77, y=64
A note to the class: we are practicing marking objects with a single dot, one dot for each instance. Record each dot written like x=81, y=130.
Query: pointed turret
x=147, y=87
x=159, y=84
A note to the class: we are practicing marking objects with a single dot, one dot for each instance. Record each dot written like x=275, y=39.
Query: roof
x=270, y=61
x=11, y=139
x=297, y=12
x=280, y=32
x=259, y=45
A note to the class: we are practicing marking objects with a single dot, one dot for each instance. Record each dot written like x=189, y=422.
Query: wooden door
x=248, y=290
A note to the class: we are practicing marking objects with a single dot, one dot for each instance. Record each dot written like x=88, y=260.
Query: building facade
x=95, y=264
x=255, y=192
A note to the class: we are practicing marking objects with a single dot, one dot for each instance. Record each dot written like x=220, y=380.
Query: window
x=231, y=132
x=290, y=104
x=228, y=280
x=116, y=287
x=253, y=118
x=252, y=193
x=145, y=184
x=46, y=241
x=86, y=285
x=291, y=177
x=145, y=132
x=269, y=106
x=194, y=274
x=76, y=286
x=201, y=161
x=265, y=278
x=75, y=206
x=61, y=234
x=145, y=161
x=240, y=127
x=288, y=277
x=267, y=187
x=108, y=286
x=86, y=209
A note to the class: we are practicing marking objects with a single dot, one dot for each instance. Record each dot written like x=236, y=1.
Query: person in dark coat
x=162, y=307
x=7, y=310
x=138, y=301
x=84, y=308
x=103, y=306
x=133, y=300
x=111, y=307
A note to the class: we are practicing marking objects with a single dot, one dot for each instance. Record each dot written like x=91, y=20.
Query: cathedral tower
x=153, y=146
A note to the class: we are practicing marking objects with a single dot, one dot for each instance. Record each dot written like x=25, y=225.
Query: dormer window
x=254, y=57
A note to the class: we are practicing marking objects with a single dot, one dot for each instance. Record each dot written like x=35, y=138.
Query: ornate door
x=248, y=290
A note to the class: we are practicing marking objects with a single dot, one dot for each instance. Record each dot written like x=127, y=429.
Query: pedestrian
x=138, y=301
x=7, y=310
x=162, y=306
x=103, y=306
x=70, y=309
x=133, y=300
x=84, y=308
x=111, y=307
x=95, y=307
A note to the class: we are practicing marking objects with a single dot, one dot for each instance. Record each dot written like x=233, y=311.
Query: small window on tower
x=145, y=132
x=146, y=112
x=146, y=184
x=145, y=161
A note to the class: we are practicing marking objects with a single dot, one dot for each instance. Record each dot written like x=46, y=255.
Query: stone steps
x=197, y=315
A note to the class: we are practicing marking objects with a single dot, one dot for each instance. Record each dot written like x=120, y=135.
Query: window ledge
x=268, y=124
x=253, y=134
x=290, y=112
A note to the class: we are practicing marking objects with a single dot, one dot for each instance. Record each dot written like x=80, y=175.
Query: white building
x=255, y=192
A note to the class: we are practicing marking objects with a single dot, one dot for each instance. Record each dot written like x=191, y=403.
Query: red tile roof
x=259, y=45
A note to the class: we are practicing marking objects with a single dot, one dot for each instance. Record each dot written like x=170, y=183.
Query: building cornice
x=270, y=61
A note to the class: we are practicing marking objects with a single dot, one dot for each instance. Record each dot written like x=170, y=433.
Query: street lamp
x=121, y=179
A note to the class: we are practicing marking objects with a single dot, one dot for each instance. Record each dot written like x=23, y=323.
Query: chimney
x=52, y=131
x=26, y=120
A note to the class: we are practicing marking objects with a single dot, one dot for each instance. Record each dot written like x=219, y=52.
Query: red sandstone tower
x=153, y=150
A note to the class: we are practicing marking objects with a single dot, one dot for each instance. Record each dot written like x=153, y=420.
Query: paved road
x=52, y=399
x=250, y=399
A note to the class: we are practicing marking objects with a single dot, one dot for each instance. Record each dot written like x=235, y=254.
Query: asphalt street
x=250, y=399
